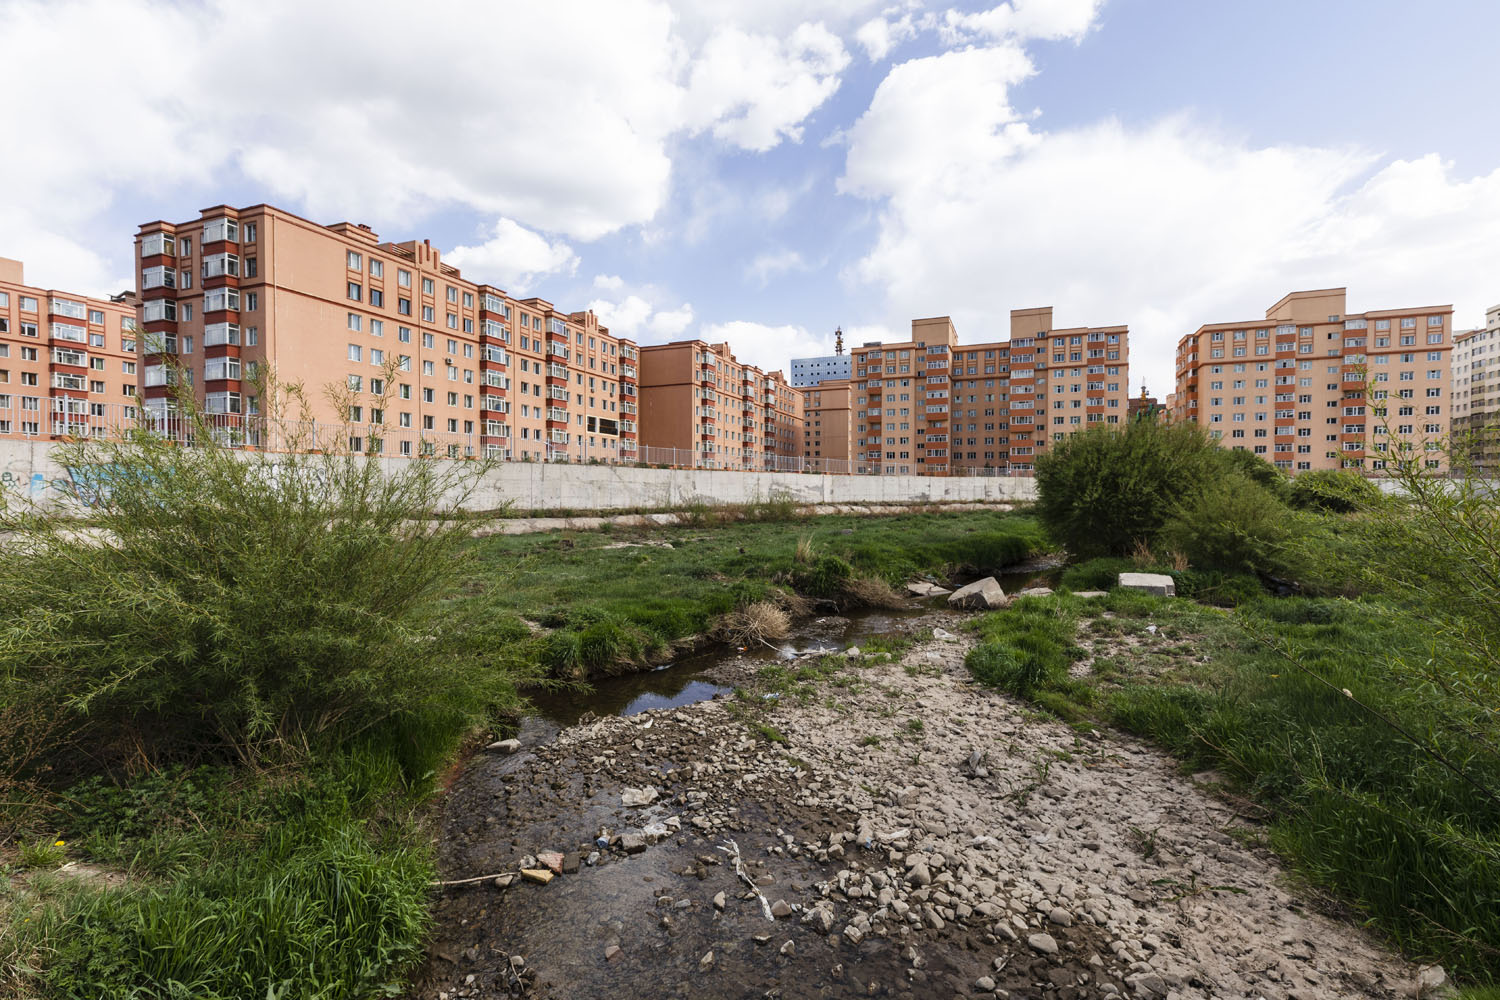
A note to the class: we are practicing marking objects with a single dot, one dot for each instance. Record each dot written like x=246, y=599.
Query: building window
x=356, y=293
x=355, y=352
x=377, y=298
x=356, y=262
x=377, y=268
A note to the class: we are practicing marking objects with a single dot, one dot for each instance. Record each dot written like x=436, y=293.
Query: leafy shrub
x=246, y=601
x=1244, y=463
x=1337, y=491
x=826, y=577
x=1232, y=524
x=1106, y=490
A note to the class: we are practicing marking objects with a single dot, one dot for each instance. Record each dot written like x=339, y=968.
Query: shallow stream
x=683, y=682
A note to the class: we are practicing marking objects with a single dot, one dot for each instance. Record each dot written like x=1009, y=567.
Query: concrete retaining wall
x=27, y=467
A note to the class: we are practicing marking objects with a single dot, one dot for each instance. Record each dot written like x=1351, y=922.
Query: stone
x=504, y=746
x=632, y=843
x=921, y=588
x=1432, y=982
x=781, y=908
x=1147, y=984
x=634, y=797
x=719, y=901
x=540, y=875
x=570, y=863
x=1044, y=943
x=854, y=934
x=1152, y=583
x=853, y=651
x=919, y=875
x=1060, y=917
x=1036, y=592
x=611, y=953
x=552, y=860
x=706, y=962
x=984, y=984
x=788, y=949
x=981, y=595
x=1088, y=595
x=943, y=635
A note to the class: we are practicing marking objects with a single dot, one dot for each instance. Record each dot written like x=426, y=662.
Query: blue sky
x=764, y=171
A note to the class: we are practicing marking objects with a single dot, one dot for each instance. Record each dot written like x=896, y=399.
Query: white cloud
x=756, y=90
x=636, y=318
x=1163, y=227
x=768, y=265
x=513, y=257
x=769, y=347
x=1021, y=20
x=879, y=35
x=609, y=282
x=394, y=123
x=672, y=322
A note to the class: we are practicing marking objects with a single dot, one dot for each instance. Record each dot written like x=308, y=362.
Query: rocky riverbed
x=891, y=829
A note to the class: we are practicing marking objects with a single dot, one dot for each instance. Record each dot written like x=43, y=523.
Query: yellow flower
x=61, y=843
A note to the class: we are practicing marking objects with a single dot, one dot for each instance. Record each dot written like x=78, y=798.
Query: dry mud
x=917, y=835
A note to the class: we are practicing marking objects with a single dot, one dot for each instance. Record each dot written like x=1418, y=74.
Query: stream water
x=683, y=681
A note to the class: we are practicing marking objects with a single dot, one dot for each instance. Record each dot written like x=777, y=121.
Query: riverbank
x=914, y=834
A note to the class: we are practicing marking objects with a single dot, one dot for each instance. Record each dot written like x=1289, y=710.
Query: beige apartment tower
x=702, y=407
x=1311, y=386
x=930, y=406
x=385, y=337
x=828, y=430
x=67, y=361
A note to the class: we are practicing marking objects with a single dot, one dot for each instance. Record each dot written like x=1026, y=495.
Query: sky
x=764, y=171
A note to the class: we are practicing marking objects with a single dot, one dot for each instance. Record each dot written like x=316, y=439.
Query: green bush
x=246, y=601
x=1109, y=489
x=1232, y=524
x=826, y=577
x=1337, y=491
x=1247, y=464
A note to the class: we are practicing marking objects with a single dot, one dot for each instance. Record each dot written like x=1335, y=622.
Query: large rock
x=981, y=595
x=1152, y=583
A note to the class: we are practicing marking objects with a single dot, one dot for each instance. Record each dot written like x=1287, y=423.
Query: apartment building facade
x=68, y=365
x=384, y=337
x=828, y=431
x=930, y=406
x=701, y=406
x=1312, y=386
x=1476, y=393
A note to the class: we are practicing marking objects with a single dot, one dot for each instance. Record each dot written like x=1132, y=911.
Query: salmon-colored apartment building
x=714, y=411
x=1314, y=387
x=930, y=406
x=828, y=430
x=385, y=337
x=67, y=361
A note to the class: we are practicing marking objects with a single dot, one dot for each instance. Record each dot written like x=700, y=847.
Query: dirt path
x=917, y=836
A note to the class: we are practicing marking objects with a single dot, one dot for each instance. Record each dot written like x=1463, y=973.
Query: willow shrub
x=206, y=597
x=1109, y=489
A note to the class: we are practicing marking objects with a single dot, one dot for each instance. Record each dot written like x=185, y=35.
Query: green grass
x=614, y=609
x=1358, y=808
x=314, y=886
